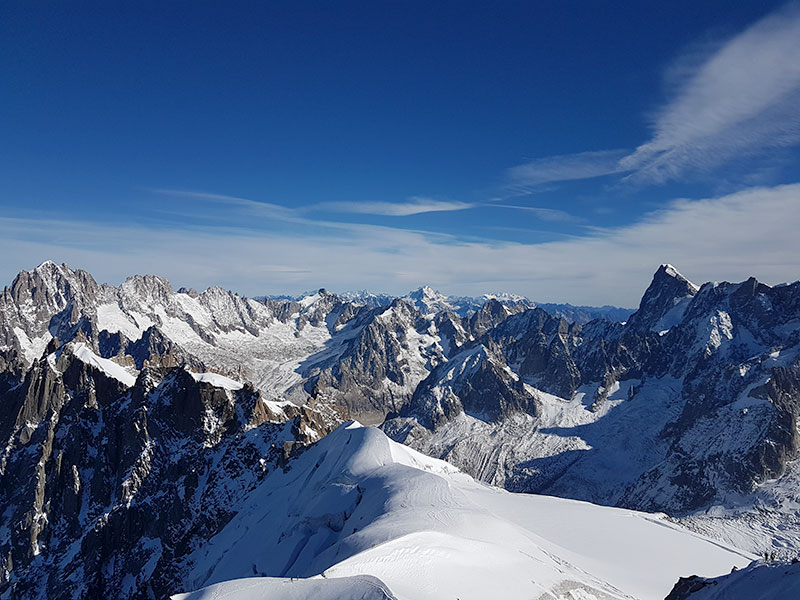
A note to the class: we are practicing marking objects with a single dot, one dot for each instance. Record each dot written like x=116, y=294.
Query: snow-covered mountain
x=359, y=504
x=623, y=414
x=117, y=402
x=427, y=300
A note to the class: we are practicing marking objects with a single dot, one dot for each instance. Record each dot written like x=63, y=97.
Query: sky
x=559, y=150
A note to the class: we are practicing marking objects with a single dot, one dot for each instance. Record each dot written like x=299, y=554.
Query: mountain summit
x=664, y=301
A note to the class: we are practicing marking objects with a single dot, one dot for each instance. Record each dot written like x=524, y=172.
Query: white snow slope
x=768, y=520
x=358, y=503
x=109, y=367
x=282, y=588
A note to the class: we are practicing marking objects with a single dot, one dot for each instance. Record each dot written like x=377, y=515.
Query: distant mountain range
x=156, y=441
x=427, y=300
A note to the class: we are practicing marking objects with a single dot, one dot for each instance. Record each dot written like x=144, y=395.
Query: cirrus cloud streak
x=753, y=232
x=742, y=99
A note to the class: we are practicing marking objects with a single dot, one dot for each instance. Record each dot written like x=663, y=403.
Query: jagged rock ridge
x=623, y=414
x=693, y=402
x=128, y=475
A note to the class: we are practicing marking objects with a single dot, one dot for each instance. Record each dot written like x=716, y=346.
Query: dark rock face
x=765, y=580
x=490, y=315
x=687, y=586
x=476, y=382
x=666, y=297
x=43, y=302
x=103, y=486
x=153, y=348
x=378, y=369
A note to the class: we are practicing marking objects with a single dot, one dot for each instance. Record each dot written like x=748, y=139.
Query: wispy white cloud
x=413, y=206
x=545, y=214
x=731, y=237
x=264, y=209
x=743, y=99
x=729, y=101
x=256, y=216
x=566, y=167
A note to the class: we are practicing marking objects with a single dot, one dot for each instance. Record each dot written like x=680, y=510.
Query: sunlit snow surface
x=359, y=504
x=361, y=587
x=267, y=352
x=217, y=380
x=109, y=367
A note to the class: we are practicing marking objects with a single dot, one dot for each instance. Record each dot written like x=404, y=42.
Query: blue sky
x=561, y=150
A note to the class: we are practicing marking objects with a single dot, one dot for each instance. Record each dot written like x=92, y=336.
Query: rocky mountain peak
x=668, y=270
x=191, y=292
x=150, y=288
x=39, y=302
x=134, y=411
x=423, y=292
x=490, y=315
x=664, y=302
x=366, y=298
x=51, y=284
x=427, y=300
x=50, y=268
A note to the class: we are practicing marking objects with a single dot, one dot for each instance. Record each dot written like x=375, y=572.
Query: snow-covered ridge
x=673, y=272
x=429, y=300
x=109, y=367
x=360, y=587
x=359, y=504
x=217, y=380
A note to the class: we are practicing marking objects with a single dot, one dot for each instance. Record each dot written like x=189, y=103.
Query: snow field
x=357, y=503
